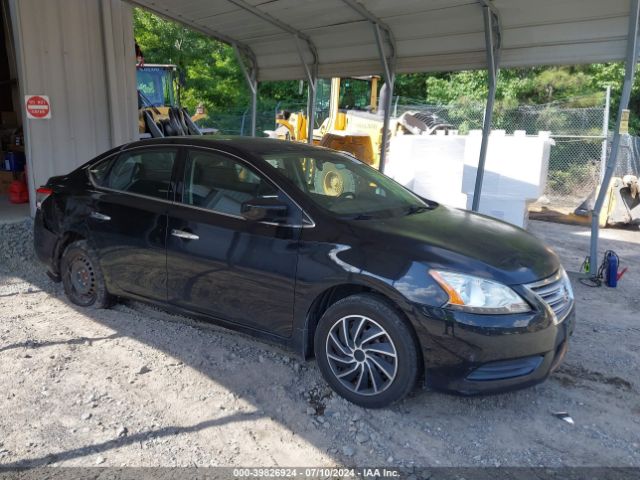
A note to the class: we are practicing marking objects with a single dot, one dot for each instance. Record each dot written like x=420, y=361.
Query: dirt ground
x=135, y=386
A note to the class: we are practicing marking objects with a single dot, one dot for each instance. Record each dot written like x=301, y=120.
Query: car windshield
x=343, y=185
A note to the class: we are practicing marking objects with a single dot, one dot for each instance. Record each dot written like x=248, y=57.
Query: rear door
x=220, y=264
x=128, y=219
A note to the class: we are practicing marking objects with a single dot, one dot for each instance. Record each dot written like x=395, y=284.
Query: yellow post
x=374, y=94
x=334, y=102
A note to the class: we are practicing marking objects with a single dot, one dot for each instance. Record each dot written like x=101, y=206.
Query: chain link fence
x=579, y=134
x=237, y=121
x=628, y=162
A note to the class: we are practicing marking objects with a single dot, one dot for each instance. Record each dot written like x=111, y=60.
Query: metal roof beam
x=280, y=24
x=361, y=9
x=245, y=55
x=388, y=62
x=198, y=28
x=495, y=26
x=496, y=22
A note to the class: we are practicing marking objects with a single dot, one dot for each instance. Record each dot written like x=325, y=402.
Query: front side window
x=143, y=172
x=343, y=185
x=222, y=184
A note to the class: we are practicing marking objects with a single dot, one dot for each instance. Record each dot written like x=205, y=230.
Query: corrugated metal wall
x=81, y=54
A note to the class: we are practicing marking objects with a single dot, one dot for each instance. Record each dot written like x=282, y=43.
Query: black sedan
x=314, y=250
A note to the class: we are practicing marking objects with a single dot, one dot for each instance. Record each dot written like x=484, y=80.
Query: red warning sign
x=38, y=107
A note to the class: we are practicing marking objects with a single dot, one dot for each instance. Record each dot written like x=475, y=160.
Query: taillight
x=42, y=194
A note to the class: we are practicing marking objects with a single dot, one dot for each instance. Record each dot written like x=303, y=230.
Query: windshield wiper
x=416, y=209
x=360, y=216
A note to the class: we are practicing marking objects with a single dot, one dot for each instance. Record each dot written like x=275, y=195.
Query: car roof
x=252, y=145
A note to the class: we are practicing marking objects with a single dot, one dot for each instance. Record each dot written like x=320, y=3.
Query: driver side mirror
x=264, y=209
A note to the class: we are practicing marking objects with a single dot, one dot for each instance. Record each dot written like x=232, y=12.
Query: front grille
x=556, y=292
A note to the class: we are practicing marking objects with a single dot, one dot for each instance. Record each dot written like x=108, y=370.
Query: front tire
x=82, y=277
x=366, y=351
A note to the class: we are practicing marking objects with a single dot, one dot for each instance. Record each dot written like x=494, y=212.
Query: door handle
x=184, y=235
x=100, y=216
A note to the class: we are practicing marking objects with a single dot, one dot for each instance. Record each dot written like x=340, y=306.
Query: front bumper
x=473, y=354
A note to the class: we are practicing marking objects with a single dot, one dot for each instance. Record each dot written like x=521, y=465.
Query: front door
x=128, y=220
x=221, y=264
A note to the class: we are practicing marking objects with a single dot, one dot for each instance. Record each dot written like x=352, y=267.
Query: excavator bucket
x=626, y=202
x=622, y=203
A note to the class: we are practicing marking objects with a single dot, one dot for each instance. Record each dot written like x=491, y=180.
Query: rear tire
x=366, y=351
x=82, y=276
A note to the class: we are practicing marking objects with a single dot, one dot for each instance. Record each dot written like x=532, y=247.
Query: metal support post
x=630, y=70
x=312, y=79
x=605, y=132
x=250, y=75
x=243, y=4
x=388, y=65
x=492, y=46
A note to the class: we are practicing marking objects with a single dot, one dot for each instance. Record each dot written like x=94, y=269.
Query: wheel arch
x=334, y=293
x=66, y=239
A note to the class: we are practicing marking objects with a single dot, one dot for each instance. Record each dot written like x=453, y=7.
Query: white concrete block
x=427, y=163
x=505, y=208
x=516, y=165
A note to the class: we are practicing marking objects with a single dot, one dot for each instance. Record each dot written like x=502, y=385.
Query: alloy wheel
x=361, y=355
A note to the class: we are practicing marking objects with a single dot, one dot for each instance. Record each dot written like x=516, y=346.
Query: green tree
x=575, y=86
x=207, y=70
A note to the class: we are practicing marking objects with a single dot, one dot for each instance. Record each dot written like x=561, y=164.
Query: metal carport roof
x=430, y=35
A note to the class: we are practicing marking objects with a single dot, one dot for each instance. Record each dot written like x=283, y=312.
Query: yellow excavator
x=353, y=122
x=159, y=114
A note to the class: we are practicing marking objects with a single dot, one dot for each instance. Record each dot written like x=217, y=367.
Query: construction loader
x=353, y=122
x=159, y=113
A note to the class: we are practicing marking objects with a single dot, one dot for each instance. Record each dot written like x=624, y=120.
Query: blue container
x=612, y=270
x=14, y=161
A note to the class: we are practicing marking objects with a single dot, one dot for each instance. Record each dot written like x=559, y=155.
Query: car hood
x=459, y=240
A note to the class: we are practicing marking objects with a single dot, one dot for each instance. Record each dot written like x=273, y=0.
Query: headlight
x=477, y=295
x=567, y=283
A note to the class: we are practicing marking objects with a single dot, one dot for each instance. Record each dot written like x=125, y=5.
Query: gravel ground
x=136, y=386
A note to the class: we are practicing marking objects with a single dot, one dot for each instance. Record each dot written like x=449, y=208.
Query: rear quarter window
x=146, y=172
x=99, y=171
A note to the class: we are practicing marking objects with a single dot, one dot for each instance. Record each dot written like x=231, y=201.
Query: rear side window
x=142, y=172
